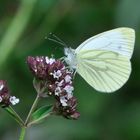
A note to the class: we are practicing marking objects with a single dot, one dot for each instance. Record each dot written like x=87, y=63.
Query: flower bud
x=38, y=66
x=68, y=111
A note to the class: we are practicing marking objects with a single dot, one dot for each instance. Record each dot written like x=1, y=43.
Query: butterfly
x=104, y=59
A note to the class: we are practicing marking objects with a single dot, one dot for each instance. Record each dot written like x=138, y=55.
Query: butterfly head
x=70, y=57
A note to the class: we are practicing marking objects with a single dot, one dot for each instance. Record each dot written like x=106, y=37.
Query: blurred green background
x=24, y=24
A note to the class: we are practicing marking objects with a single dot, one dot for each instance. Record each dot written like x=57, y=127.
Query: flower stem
x=32, y=109
x=22, y=134
x=14, y=115
x=17, y=117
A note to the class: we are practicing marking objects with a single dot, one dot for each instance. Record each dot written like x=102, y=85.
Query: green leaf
x=40, y=114
x=14, y=115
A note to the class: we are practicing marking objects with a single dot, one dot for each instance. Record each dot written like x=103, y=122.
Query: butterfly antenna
x=56, y=40
x=60, y=40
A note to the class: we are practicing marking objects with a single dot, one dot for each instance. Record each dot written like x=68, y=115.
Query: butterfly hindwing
x=103, y=70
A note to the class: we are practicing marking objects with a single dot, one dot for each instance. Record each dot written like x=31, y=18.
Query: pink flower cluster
x=57, y=80
x=5, y=98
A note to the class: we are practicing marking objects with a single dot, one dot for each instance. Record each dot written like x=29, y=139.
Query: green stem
x=19, y=118
x=14, y=114
x=32, y=109
x=22, y=134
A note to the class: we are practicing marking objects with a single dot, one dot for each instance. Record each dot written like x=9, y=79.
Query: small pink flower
x=5, y=98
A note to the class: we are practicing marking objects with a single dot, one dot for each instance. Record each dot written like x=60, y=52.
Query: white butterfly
x=104, y=60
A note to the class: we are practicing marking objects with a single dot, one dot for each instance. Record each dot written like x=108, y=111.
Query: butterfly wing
x=104, y=60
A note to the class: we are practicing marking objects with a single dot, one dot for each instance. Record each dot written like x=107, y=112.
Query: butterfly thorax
x=70, y=57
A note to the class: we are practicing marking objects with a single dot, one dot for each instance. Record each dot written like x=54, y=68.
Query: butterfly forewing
x=120, y=40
